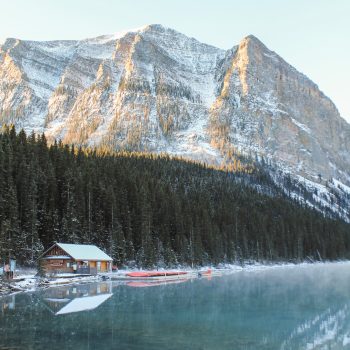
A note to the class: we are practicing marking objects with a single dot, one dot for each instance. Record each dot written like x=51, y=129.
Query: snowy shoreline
x=31, y=283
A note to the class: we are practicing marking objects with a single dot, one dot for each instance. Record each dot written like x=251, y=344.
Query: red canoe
x=156, y=273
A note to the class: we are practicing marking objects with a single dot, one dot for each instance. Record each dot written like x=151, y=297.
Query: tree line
x=150, y=210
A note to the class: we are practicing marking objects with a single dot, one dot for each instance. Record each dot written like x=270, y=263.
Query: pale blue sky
x=312, y=35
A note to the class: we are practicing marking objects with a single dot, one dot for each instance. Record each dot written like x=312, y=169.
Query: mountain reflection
x=328, y=330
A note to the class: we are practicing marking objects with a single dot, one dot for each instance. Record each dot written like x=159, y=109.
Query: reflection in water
x=83, y=304
x=329, y=329
x=141, y=284
x=80, y=298
x=8, y=302
x=289, y=308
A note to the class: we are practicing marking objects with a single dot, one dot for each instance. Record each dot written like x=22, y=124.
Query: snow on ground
x=29, y=282
x=311, y=185
x=269, y=103
x=69, y=279
x=341, y=186
x=193, y=141
x=32, y=283
x=322, y=195
x=257, y=267
x=42, y=81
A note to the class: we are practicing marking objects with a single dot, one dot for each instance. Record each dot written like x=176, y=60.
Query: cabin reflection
x=66, y=300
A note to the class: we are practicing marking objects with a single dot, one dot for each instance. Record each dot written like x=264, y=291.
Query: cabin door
x=104, y=266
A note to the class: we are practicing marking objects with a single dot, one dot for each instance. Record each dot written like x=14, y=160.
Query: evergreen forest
x=150, y=210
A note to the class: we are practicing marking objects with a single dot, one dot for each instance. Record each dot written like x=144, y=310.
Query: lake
x=301, y=307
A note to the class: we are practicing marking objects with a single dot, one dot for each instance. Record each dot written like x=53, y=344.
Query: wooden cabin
x=75, y=258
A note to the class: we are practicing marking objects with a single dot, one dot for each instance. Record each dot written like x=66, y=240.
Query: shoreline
x=30, y=283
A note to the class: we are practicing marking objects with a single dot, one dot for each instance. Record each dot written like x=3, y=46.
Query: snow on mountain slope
x=158, y=90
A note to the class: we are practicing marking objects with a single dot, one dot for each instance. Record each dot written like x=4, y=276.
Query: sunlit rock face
x=156, y=89
x=268, y=106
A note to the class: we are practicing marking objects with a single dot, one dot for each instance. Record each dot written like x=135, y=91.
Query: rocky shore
x=8, y=288
x=25, y=283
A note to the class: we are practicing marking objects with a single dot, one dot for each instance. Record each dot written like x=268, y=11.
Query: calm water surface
x=282, y=308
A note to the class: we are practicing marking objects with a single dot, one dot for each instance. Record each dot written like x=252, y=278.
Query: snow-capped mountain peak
x=153, y=88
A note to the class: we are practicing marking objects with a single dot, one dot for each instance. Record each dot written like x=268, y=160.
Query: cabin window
x=68, y=264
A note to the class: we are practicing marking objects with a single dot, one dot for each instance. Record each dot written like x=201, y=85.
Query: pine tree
x=155, y=210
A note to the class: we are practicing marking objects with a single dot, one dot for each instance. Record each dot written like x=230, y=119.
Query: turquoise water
x=282, y=308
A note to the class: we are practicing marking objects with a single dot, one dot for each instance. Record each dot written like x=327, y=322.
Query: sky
x=312, y=35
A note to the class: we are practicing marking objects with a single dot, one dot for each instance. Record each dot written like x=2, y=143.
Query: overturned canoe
x=204, y=273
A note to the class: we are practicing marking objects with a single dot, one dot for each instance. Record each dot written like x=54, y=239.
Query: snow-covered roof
x=84, y=252
x=58, y=257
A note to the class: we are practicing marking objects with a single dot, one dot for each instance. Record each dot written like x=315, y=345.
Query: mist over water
x=301, y=307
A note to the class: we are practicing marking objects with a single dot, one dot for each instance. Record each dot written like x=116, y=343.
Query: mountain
x=158, y=90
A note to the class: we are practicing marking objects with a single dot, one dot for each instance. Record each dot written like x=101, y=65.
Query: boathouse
x=75, y=258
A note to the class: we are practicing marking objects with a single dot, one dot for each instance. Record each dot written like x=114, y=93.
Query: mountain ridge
x=156, y=89
x=118, y=35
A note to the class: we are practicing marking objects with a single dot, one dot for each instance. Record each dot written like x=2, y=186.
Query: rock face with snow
x=156, y=89
x=266, y=105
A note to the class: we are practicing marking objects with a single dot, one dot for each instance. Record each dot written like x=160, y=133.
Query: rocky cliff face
x=265, y=105
x=158, y=90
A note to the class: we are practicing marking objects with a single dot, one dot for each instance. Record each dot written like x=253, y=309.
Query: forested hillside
x=149, y=209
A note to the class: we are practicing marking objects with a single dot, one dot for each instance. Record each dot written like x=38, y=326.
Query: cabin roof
x=83, y=251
